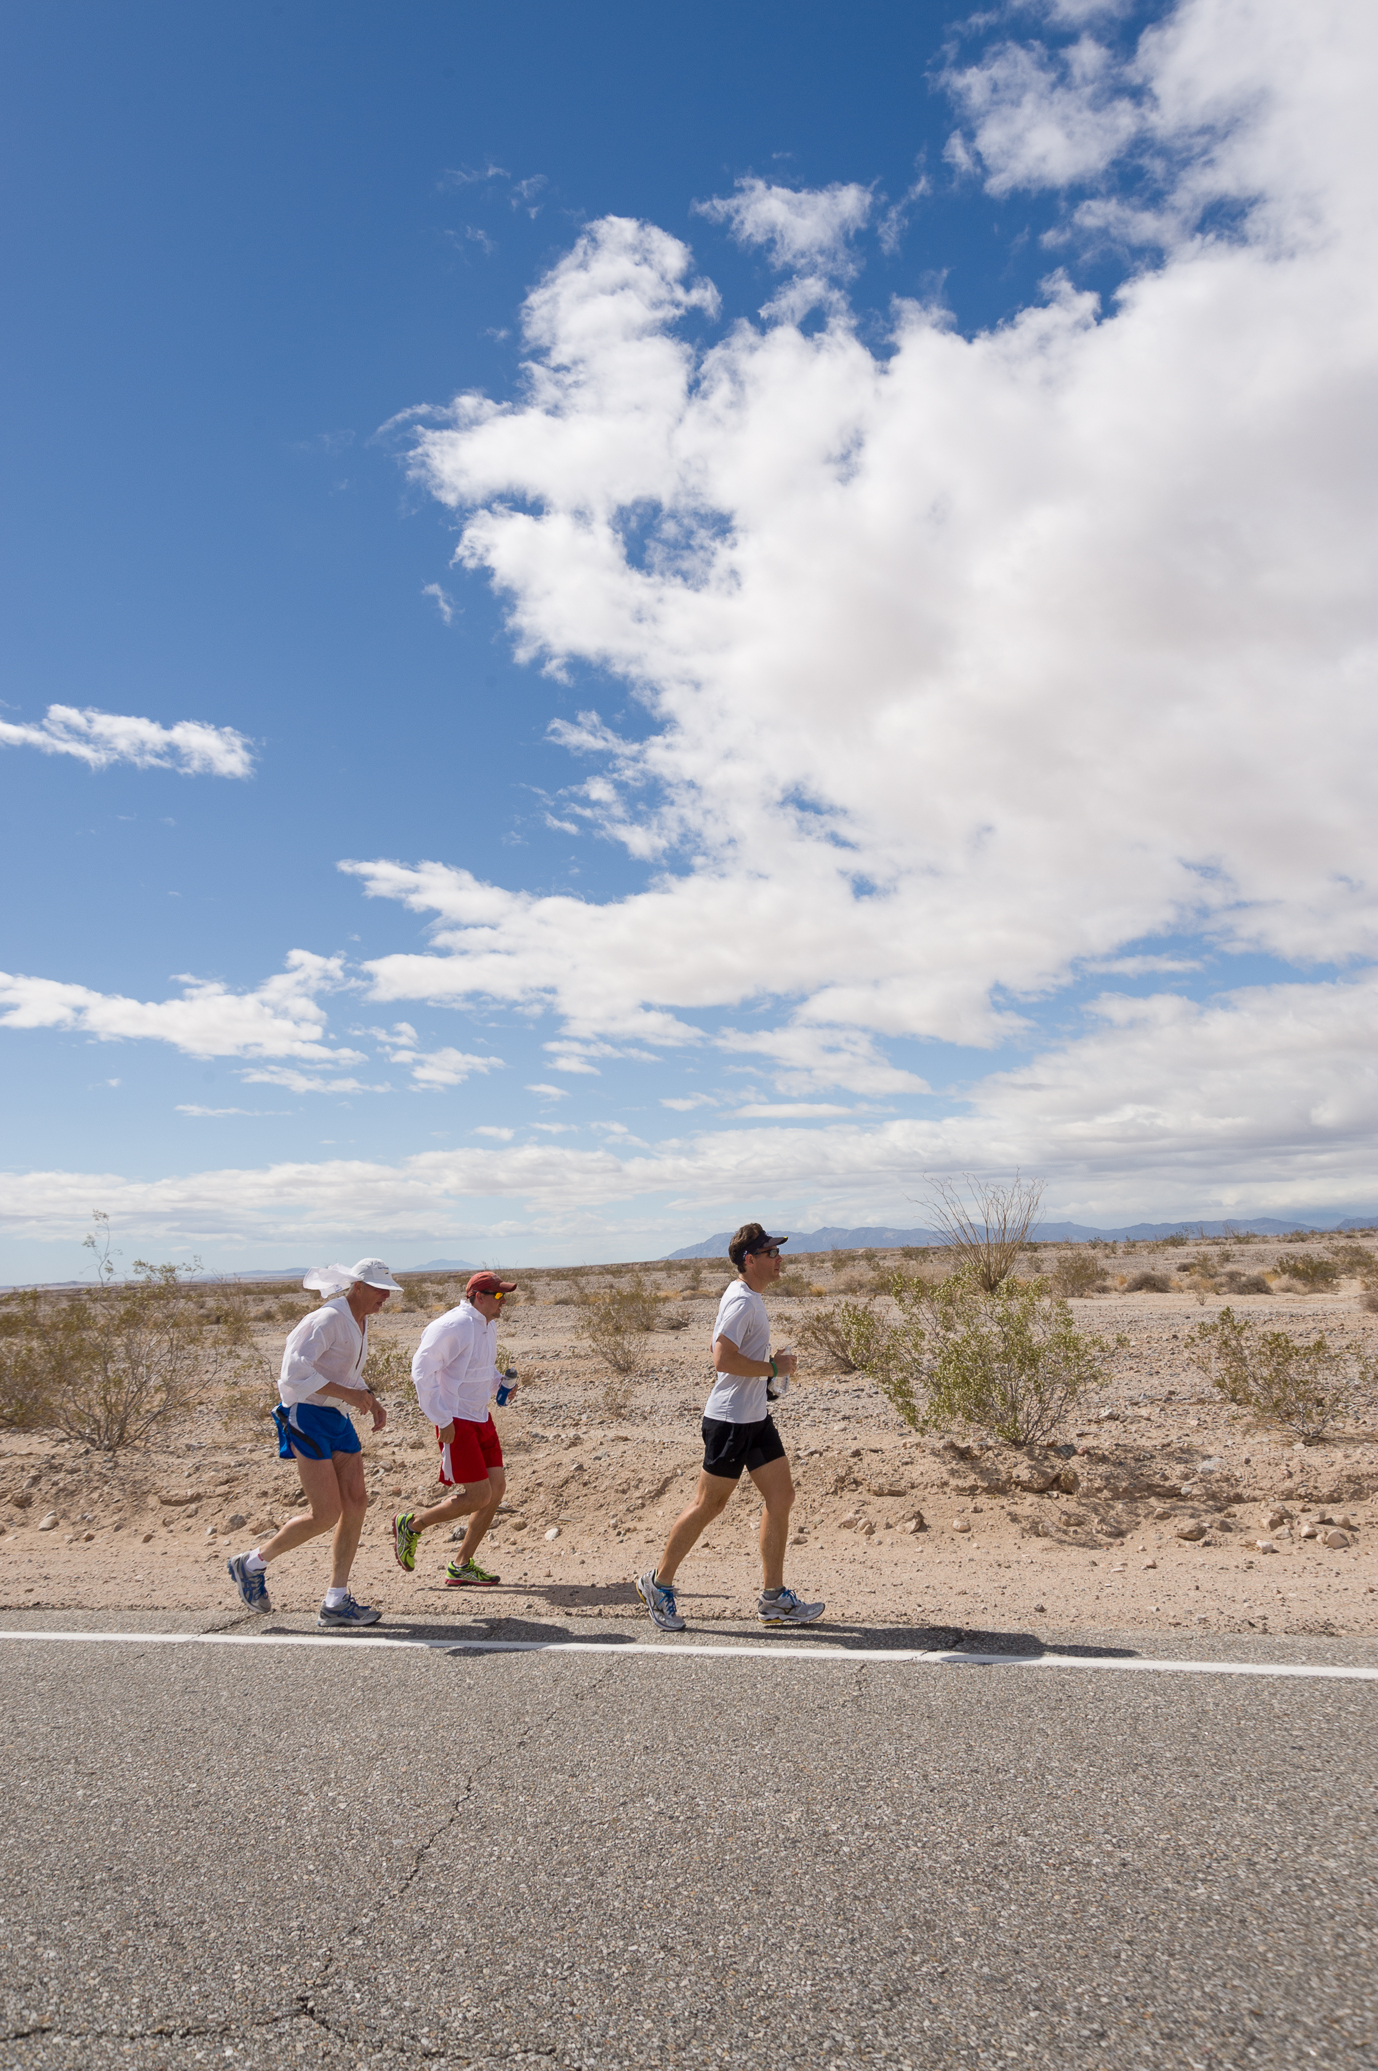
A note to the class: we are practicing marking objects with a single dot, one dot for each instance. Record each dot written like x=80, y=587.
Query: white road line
x=855, y=1656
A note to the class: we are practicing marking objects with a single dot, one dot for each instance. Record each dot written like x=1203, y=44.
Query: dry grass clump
x=1303, y=1386
x=1148, y=1283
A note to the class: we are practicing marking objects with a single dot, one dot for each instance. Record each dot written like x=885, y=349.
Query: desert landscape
x=1160, y=1505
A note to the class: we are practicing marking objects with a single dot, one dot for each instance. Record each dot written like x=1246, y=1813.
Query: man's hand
x=786, y=1362
x=380, y=1415
x=447, y=1433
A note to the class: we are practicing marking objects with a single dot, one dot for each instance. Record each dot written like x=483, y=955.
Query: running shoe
x=252, y=1587
x=348, y=1613
x=786, y=1609
x=469, y=1575
x=659, y=1600
x=405, y=1539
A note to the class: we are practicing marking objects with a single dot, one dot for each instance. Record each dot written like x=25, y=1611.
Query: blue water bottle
x=505, y=1387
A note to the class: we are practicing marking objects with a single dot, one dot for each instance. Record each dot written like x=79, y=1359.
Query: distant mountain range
x=873, y=1237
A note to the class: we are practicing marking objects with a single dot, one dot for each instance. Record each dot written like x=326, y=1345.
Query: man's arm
x=355, y=1398
x=728, y=1359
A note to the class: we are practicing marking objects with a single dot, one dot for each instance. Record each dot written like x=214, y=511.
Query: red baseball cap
x=487, y=1283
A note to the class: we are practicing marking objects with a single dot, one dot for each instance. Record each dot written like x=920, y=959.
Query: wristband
x=774, y=1370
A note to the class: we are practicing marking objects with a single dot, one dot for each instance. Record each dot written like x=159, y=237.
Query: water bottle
x=505, y=1387
x=778, y=1384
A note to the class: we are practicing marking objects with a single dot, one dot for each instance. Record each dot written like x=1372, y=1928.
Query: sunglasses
x=771, y=1251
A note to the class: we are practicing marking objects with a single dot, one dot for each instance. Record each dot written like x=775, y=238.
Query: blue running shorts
x=307, y=1431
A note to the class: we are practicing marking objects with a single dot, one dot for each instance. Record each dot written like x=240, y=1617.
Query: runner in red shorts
x=455, y=1371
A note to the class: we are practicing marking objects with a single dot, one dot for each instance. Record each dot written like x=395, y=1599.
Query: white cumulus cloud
x=100, y=738
x=282, y=1017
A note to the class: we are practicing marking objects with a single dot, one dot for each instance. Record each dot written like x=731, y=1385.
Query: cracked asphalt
x=342, y=1855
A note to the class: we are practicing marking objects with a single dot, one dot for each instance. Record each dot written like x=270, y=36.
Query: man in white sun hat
x=322, y=1376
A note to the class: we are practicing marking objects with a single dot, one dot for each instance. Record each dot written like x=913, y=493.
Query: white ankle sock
x=255, y=1562
x=335, y=1597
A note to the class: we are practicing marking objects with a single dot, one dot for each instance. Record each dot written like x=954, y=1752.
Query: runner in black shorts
x=739, y=1437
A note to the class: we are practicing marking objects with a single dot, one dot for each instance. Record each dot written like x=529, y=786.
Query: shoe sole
x=789, y=1621
x=469, y=1582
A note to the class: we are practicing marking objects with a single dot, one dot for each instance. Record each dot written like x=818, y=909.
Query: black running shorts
x=730, y=1448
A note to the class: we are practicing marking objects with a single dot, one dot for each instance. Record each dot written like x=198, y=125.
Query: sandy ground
x=1081, y=1536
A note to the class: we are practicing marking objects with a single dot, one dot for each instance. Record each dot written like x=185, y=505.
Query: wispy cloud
x=101, y=738
x=282, y=1017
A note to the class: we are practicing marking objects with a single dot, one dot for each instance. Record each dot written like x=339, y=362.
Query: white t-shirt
x=327, y=1345
x=455, y=1367
x=742, y=1318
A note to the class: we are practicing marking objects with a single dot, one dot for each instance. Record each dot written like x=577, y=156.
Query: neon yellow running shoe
x=469, y=1575
x=405, y=1539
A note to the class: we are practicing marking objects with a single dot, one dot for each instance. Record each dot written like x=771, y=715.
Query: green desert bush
x=1313, y=1274
x=1007, y=1359
x=843, y=1338
x=1276, y=1375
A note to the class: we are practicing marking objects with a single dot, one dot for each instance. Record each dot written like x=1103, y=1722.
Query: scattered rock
x=1265, y=1546
x=210, y=1531
x=48, y=1523
x=88, y=1536
x=1191, y=1531
x=1040, y=1607
x=868, y=1528
x=1278, y=1517
x=553, y=1532
x=237, y=1522
x=519, y=1524
x=1309, y=1531
x=961, y=1524
x=850, y=1522
x=1336, y=1541
x=1150, y=1563
x=146, y=1538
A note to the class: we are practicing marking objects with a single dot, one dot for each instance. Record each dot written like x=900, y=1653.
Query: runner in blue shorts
x=323, y=1365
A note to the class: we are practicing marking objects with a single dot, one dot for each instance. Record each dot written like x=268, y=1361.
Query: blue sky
x=931, y=448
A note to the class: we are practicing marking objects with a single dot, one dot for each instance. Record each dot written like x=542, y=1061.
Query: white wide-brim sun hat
x=328, y=1280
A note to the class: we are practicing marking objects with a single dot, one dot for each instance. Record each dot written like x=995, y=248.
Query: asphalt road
x=279, y=1856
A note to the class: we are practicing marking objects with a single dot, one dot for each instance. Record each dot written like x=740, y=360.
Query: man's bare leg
x=468, y=1497
x=320, y=1485
x=349, y=1477
x=776, y=1484
x=711, y=1499
x=482, y=1518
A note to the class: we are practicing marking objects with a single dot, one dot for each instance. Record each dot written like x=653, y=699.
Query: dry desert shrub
x=108, y=1365
x=986, y=1223
x=791, y=1286
x=1303, y=1386
x=1076, y=1273
x=1148, y=1283
x=1235, y=1282
x=615, y=1322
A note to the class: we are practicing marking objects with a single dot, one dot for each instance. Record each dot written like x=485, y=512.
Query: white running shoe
x=660, y=1602
x=786, y=1609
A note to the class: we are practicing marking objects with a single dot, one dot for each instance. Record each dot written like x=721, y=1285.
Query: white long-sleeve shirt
x=327, y=1345
x=455, y=1366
